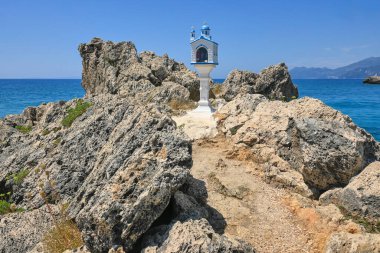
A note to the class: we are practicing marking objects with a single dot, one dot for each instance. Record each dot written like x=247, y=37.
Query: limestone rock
x=117, y=165
x=21, y=231
x=303, y=135
x=361, y=196
x=273, y=82
x=197, y=125
x=166, y=69
x=192, y=236
x=372, y=80
x=116, y=68
x=238, y=82
x=353, y=243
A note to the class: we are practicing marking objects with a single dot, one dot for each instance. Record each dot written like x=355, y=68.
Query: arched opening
x=202, y=55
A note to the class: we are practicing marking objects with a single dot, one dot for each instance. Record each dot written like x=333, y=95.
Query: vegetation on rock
x=370, y=226
x=65, y=235
x=19, y=177
x=73, y=113
x=24, y=129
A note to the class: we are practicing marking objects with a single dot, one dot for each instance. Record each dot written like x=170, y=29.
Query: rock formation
x=273, y=82
x=353, y=243
x=117, y=166
x=114, y=161
x=302, y=140
x=372, y=80
x=116, y=68
x=192, y=236
x=361, y=197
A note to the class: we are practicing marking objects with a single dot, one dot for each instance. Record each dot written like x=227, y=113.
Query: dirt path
x=254, y=211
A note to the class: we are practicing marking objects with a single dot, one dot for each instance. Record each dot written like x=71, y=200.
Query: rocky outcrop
x=166, y=69
x=192, y=236
x=361, y=197
x=116, y=68
x=273, y=82
x=353, y=243
x=301, y=140
x=117, y=165
x=372, y=80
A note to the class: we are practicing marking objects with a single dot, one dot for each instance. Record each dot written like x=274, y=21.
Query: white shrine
x=204, y=57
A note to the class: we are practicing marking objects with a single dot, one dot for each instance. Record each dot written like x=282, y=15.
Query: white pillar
x=204, y=77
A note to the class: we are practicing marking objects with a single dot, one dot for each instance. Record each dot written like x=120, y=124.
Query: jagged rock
x=361, y=196
x=166, y=69
x=21, y=231
x=116, y=68
x=372, y=80
x=353, y=243
x=303, y=135
x=238, y=82
x=118, y=165
x=165, y=93
x=273, y=82
x=191, y=236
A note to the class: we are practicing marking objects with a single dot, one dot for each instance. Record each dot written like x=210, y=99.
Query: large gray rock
x=22, y=230
x=166, y=69
x=273, y=82
x=353, y=243
x=372, y=80
x=303, y=136
x=116, y=68
x=117, y=165
x=191, y=236
x=361, y=197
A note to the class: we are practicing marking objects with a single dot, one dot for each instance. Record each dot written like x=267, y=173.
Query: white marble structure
x=204, y=57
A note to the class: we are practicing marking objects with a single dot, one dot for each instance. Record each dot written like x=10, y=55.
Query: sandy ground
x=197, y=125
x=253, y=210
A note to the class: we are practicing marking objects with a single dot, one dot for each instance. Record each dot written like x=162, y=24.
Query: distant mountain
x=360, y=69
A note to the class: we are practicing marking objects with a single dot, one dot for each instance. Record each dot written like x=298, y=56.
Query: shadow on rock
x=189, y=223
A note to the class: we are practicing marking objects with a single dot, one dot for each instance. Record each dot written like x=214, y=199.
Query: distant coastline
x=358, y=70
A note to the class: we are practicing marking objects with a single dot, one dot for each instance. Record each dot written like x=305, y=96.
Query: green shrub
x=19, y=177
x=24, y=129
x=5, y=207
x=5, y=196
x=73, y=113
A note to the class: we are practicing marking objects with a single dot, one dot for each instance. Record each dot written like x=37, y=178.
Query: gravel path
x=253, y=210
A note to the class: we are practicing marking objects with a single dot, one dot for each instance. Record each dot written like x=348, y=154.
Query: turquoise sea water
x=17, y=94
x=360, y=101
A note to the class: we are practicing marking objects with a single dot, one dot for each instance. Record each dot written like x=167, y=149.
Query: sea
x=359, y=101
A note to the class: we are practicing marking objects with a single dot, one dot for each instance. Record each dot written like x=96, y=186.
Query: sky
x=39, y=38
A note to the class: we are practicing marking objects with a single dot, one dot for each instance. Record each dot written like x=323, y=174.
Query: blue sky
x=39, y=38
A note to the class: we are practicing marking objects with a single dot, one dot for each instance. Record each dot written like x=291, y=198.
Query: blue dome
x=205, y=27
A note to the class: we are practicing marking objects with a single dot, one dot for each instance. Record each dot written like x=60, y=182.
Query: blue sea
x=360, y=101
